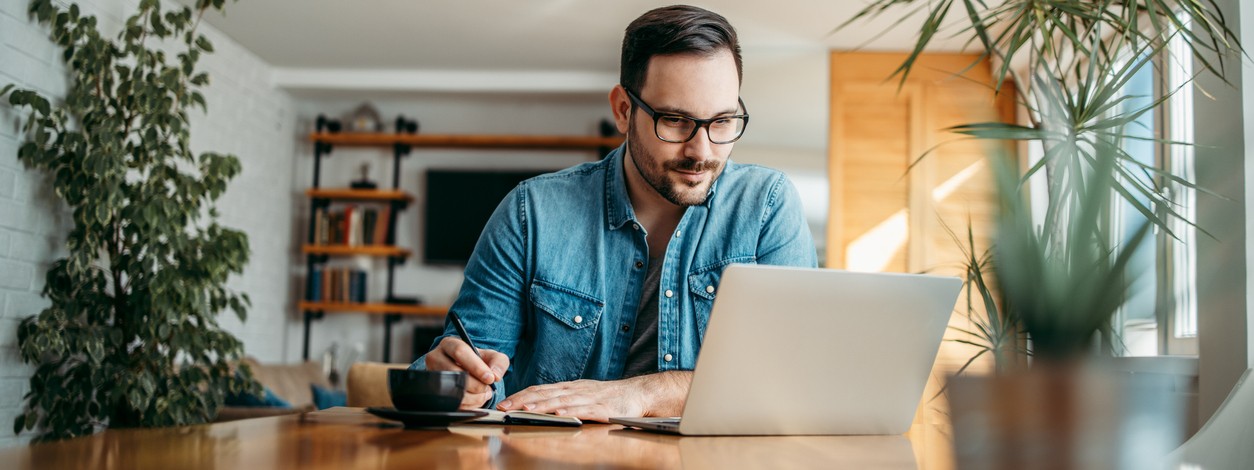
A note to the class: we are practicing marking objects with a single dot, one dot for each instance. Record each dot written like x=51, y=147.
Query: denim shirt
x=555, y=279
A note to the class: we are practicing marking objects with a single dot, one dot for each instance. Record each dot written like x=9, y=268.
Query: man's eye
x=674, y=121
x=722, y=122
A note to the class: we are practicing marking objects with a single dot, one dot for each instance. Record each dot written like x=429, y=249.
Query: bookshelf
x=351, y=250
x=375, y=308
x=353, y=222
x=319, y=247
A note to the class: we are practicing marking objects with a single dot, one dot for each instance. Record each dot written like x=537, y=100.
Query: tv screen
x=459, y=203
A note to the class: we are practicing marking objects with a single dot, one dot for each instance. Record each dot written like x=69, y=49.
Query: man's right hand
x=486, y=368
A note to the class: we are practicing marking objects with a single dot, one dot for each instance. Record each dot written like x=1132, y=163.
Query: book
x=320, y=221
x=352, y=226
x=381, y=227
x=526, y=417
x=328, y=280
x=335, y=226
x=359, y=286
x=367, y=225
x=314, y=293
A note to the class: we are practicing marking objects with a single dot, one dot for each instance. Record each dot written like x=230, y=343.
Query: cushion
x=267, y=399
x=324, y=397
x=290, y=381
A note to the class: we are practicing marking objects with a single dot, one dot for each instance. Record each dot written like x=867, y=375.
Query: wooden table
x=350, y=438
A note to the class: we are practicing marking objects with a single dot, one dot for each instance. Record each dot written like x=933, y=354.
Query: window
x=1160, y=315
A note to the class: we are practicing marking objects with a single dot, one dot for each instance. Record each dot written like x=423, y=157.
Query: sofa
x=290, y=382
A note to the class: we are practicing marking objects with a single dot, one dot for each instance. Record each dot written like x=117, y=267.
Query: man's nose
x=699, y=146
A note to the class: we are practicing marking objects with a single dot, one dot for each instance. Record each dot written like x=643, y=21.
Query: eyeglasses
x=677, y=128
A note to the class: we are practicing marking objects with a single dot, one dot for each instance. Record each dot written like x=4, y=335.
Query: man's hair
x=677, y=29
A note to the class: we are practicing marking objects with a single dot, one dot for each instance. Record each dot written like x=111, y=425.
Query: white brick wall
x=248, y=117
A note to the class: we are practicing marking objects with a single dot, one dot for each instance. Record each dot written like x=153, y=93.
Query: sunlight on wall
x=943, y=190
x=875, y=249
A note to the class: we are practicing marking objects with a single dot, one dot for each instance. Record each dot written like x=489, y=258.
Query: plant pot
x=1068, y=416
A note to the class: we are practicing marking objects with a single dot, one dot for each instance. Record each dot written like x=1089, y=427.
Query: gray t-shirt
x=642, y=355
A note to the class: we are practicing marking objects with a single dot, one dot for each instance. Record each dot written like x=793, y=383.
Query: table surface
x=351, y=438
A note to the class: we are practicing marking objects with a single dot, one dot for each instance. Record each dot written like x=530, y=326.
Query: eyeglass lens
x=674, y=128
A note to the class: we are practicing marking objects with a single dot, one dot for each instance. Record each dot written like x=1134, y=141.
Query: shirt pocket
x=566, y=328
x=703, y=283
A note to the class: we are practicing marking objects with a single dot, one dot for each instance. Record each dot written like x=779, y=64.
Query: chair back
x=368, y=384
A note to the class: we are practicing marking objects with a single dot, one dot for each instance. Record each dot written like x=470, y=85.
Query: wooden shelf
x=376, y=308
x=470, y=141
x=346, y=194
x=346, y=250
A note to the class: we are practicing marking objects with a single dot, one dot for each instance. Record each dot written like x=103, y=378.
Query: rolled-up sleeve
x=491, y=301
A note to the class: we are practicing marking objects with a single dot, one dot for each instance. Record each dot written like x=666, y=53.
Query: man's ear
x=620, y=105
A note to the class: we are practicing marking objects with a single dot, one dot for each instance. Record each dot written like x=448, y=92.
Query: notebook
x=792, y=351
x=526, y=417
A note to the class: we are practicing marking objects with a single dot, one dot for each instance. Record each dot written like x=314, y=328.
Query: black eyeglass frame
x=700, y=123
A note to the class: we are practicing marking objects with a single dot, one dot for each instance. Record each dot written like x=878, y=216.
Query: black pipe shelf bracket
x=321, y=149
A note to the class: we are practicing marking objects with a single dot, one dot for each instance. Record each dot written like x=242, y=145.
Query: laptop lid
x=816, y=351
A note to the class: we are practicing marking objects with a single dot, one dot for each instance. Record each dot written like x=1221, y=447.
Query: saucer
x=425, y=419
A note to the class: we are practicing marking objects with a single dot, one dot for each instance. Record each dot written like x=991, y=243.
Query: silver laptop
x=792, y=351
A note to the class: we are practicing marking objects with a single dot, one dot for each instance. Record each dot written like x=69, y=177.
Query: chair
x=368, y=384
x=1224, y=442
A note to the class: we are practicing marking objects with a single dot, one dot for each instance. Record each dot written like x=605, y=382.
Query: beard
x=657, y=173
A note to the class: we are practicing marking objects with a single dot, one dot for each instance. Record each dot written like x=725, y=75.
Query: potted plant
x=1063, y=275
x=995, y=329
x=131, y=336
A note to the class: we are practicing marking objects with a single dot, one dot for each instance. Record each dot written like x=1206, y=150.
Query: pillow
x=324, y=398
x=267, y=399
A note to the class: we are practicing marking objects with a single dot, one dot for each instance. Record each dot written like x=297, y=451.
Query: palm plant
x=995, y=328
x=1071, y=61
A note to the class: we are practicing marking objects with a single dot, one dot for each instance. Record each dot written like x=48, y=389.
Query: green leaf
x=204, y=44
x=40, y=104
x=199, y=99
x=102, y=214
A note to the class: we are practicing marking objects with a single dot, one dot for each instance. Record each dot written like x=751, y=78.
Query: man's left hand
x=660, y=394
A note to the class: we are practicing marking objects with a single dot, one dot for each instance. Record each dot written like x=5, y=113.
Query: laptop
x=808, y=351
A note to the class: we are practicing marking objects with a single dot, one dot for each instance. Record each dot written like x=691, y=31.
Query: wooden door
x=889, y=216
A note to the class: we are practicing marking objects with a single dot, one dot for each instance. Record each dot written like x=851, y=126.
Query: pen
x=461, y=331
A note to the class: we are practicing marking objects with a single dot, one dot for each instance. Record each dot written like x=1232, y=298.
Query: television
x=459, y=203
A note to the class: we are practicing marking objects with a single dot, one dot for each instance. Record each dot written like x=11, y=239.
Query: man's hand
x=454, y=354
x=660, y=394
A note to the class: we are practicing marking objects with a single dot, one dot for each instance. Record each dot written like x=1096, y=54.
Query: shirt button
x=578, y=319
x=626, y=328
x=709, y=289
x=635, y=226
x=669, y=293
x=667, y=358
x=639, y=264
x=679, y=233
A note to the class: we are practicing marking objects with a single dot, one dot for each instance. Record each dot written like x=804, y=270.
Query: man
x=589, y=290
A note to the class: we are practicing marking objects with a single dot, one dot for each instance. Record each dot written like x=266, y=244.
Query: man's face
x=691, y=85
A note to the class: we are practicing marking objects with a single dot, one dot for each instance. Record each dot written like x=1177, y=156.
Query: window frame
x=1175, y=301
